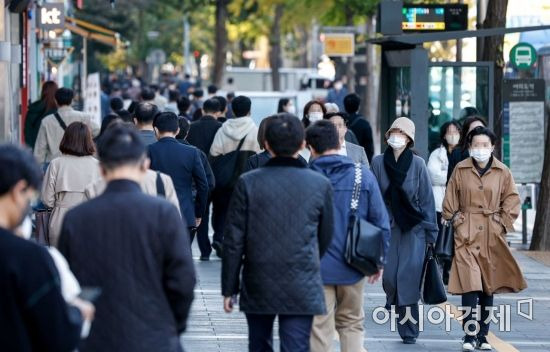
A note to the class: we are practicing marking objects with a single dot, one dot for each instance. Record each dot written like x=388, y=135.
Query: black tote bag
x=432, y=290
x=224, y=167
x=445, y=244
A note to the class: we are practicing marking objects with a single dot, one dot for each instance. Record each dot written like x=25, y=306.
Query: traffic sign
x=523, y=56
x=339, y=44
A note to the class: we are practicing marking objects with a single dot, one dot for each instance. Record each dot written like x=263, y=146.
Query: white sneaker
x=484, y=345
x=468, y=346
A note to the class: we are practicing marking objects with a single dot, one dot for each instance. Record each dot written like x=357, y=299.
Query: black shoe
x=204, y=258
x=409, y=340
x=218, y=247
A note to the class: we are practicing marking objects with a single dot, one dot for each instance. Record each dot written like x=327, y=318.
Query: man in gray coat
x=353, y=151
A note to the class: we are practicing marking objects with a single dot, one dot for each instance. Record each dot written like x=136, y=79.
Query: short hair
x=120, y=145
x=211, y=106
x=145, y=113
x=241, y=106
x=116, y=103
x=222, y=101
x=305, y=118
x=184, y=126
x=284, y=134
x=330, y=115
x=230, y=80
x=323, y=136
x=77, y=140
x=106, y=122
x=125, y=115
x=18, y=164
x=332, y=107
x=212, y=89
x=282, y=103
x=198, y=93
x=261, y=130
x=166, y=122
x=64, y=96
x=183, y=104
x=147, y=94
x=230, y=95
x=154, y=87
x=173, y=95
x=482, y=131
x=351, y=103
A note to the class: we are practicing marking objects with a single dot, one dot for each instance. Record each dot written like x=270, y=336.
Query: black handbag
x=445, y=244
x=364, y=243
x=41, y=231
x=225, y=167
x=432, y=290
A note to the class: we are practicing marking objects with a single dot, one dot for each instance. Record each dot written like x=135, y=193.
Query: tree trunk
x=350, y=68
x=275, y=45
x=541, y=236
x=221, y=42
x=372, y=91
x=492, y=52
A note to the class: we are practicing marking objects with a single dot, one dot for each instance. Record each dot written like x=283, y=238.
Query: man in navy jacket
x=182, y=163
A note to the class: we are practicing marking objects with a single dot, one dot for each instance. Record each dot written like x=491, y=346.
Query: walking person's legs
x=350, y=316
x=295, y=332
x=220, y=205
x=469, y=323
x=260, y=332
x=409, y=329
x=322, y=332
x=202, y=234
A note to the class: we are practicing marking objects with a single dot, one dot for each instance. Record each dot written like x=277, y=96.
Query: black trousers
x=202, y=233
x=220, y=205
x=294, y=332
x=472, y=299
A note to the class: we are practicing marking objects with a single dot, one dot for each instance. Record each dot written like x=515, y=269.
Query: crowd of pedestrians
x=125, y=199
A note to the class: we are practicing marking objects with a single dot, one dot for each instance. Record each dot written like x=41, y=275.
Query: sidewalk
x=210, y=329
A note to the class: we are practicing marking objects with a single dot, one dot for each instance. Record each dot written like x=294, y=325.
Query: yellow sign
x=339, y=44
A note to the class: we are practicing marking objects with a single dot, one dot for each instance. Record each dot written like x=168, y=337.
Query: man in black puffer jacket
x=278, y=226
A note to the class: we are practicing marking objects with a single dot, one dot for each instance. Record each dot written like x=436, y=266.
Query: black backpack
x=226, y=168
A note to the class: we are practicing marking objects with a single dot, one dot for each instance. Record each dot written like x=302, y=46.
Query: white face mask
x=481, y=154
x=291, y=109
x=338, y=86
x=397, y=142
x=315, y=116
x=25, y=229
x=452, y=139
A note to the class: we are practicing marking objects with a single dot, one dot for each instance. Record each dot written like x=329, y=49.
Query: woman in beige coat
x=483, y=203
x=68, y=175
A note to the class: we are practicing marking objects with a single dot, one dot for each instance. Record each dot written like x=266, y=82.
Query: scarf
x=404, y=213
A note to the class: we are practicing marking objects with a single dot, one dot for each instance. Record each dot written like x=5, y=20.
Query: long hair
x=463, y=144
x=48, y=95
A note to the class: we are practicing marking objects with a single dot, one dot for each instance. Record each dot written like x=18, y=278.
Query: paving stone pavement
x=211, y=329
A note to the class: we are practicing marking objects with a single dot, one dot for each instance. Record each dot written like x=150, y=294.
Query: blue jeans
x=294, y=332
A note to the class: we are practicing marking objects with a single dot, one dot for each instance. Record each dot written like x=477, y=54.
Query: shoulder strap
x=161, y=192
x=356, y=188
x=354, y=121
x=241, y=144
x=60, y=121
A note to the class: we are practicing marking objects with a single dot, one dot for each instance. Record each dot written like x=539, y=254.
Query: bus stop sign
x=523, y=56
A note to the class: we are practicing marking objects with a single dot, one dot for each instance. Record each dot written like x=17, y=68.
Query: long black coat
x=136, y=248
x=280, y=222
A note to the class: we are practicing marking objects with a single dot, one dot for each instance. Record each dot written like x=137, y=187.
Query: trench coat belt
x=472, y=210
